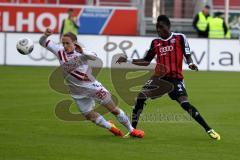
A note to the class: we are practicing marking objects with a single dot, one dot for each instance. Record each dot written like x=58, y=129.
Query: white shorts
x=90, y=93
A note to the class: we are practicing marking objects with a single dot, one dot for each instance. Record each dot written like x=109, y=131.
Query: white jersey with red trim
x=74, y=64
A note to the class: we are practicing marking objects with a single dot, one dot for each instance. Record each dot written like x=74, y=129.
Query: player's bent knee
x=141, y=96
x=182, y=99
x=91, y=116
x=112, y=107
x=115, y=111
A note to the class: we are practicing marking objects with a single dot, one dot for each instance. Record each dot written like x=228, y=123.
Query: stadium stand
x=181, y=12
x=114, y=3
x=233, y=4
x=76, y=2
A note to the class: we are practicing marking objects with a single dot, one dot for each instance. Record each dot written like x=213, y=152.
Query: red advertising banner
x=31, y=19
x=18, y=18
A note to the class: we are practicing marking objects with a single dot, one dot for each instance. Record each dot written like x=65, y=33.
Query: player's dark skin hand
x=193, y=67
x=121, y=60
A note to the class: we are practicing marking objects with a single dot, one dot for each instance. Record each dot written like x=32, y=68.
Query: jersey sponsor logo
x=164, y=50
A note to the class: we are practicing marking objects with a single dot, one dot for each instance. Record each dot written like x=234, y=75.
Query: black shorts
x=179, y=89
x=156, y=87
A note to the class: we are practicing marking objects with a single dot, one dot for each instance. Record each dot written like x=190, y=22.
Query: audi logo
x=165, y=49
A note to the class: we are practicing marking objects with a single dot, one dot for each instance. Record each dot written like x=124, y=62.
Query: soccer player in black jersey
x=169, y=49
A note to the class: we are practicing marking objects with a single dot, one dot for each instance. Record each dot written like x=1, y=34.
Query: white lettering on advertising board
x=224, y=55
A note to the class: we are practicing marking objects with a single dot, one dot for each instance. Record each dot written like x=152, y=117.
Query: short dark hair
x=165, y=19
x=207, y=6
x=71, y=35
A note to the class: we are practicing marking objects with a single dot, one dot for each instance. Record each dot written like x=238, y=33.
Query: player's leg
x=180, y=95
x=123, y=119
x=85, y=106
x=138, y=108
x=119, y=113
x=98, y=119
x=183, y=101
x=102, y=95
x=155, y=87
x=102, y=122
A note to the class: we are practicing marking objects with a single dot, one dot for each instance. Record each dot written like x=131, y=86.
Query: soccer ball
x=25, y=46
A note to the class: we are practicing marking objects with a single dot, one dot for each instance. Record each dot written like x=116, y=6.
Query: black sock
x=137, y=110
x=195, y=114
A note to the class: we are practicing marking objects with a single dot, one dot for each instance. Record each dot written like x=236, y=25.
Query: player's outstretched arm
x=87, y=54
x=49, y=44
x=190, y=63
x=43, y=38
x=139, y=62
x=90, y=55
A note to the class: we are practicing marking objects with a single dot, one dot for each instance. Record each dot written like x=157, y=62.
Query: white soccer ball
x=25, y=46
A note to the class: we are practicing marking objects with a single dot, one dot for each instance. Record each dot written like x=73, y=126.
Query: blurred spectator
x=217, y=28
x=200, y=22
x=70, y=24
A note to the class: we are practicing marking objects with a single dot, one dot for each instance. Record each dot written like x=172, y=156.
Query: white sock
x=123, y=119
x=101, y=121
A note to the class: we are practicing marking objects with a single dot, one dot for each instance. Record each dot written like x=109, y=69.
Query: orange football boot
x=115, y=130
x=137, y=133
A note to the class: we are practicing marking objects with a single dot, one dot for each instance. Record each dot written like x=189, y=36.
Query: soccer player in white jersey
x=84, y=88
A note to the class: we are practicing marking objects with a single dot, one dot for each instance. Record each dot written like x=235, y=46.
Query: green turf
x=29, y=129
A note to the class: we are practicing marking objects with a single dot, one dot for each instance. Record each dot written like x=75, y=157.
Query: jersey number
x=101, y=94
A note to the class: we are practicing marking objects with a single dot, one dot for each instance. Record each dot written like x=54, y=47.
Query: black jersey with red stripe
x=169, y=53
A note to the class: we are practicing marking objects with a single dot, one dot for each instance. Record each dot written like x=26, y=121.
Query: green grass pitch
x=29, y=129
